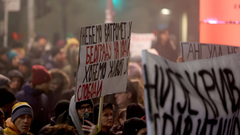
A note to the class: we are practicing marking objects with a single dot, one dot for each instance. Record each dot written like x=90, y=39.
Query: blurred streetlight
x=165, y=11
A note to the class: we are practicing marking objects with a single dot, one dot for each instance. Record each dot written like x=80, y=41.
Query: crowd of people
x=37, y=87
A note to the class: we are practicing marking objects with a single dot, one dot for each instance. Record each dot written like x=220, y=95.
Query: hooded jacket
x=39, y=103
x=71, y=117
x=54, y=97
x=16, y=73
x=11, y=128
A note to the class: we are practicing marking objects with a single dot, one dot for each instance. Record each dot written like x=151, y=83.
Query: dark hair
x=163, y=31
x=133, y=90
x=61, y=129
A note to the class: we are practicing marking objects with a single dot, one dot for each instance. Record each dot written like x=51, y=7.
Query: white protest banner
x=140, y=42
x=192, y=98
x=104, y=56
x=195, y=50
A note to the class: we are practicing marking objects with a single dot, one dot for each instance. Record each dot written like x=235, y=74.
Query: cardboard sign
x=194, y=51
x=140, y=42
x=198, y=97
x=104, y=56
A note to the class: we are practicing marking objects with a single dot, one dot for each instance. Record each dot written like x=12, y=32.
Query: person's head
x=58, y=54
x=134, y=71
x=5, y=81
x=16, y=79
x=60, y=107
x=123, y=99
x=121, y=116
x=2, y=118
x=85, y=106
x=22, y=116
x=72, y=43
x=163, y=36
x=13, y=58
x=60, y=81
x=134, y=126
x=3, y=54
x=135, y=110
x=61, y=129
x=41, y=40
x=40, y=78
x=24, y=65
x=107, y=116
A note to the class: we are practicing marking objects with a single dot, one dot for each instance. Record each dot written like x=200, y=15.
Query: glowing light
x=165, y=11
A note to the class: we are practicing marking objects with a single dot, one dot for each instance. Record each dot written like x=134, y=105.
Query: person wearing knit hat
x=21, y=119
x=72, y=43
x=33, y=92
x=11, y=55
x=58, y=58
x=13, y=60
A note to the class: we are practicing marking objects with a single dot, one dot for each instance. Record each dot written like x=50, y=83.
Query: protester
x=74, y=116
x=69, y=93
x=17, y=47
x=57, y=60
x=135, y=110
x=24, y=67
x=123, y=99
x=119, y=121
x=61, y=129
x=33, y=93
x=72, y=58
x=13, y=60
x=106, y=119
x=134, y=126
x=21, y=119
x=3, y=61
x=17, y=80
x=60, y=108
x=72, y=43
x=60, y=83
x=5, y=82
x=7, y=100
x=165, y=46
x=140, y=90
x=2, y=118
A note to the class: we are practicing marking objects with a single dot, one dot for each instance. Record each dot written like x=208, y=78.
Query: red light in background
x=219, y=22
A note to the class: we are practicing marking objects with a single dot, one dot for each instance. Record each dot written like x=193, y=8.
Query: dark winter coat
x=39, y=103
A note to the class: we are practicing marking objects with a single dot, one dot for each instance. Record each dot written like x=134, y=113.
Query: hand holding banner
x=104, y=56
